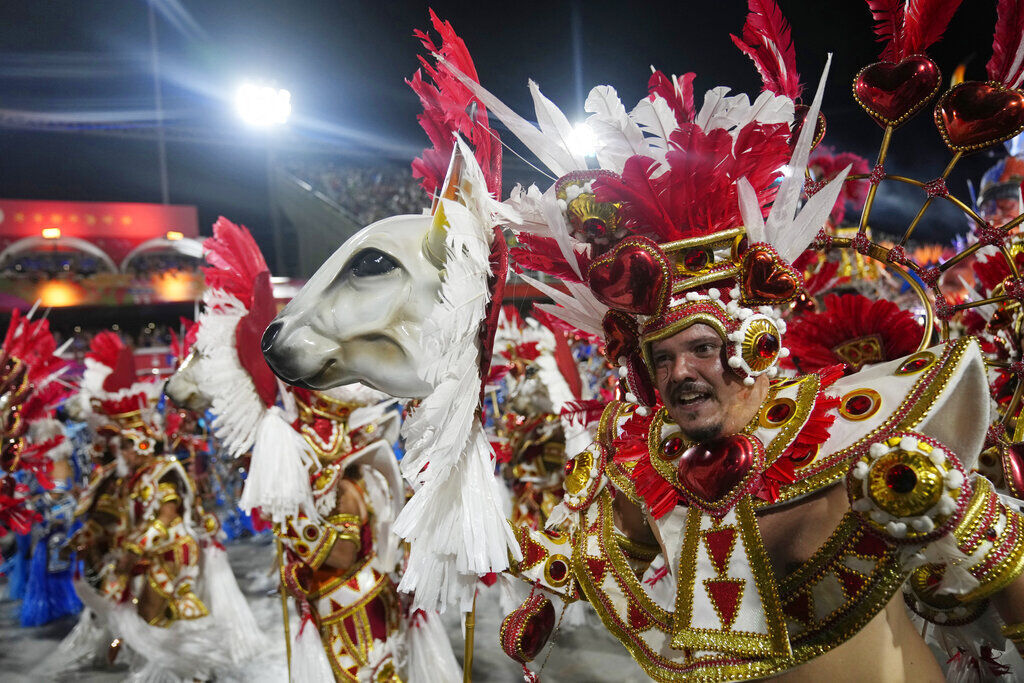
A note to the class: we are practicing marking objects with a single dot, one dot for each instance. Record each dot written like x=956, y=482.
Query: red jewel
x=914, y=364
x=696, y=259
x=672, y=447
x=901, y=478
x=310, y=533
x=742, y=246
x=594, y=227
x=991, y=534
x=767, y=345
x=859, y=404
x=933, y=579
x=557, y=570
x=569, y=467
x=779, y=412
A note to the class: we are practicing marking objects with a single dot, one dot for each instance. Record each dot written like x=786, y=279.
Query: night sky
x=76, y=90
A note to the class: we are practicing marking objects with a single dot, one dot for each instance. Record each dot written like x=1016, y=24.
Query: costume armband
x=309, y=540
x=546, y=561
x=983, y=555
x=151, y=539
x=348, y=527
x=167, y=493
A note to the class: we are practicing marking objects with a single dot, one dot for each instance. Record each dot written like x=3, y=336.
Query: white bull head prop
x=185, y=386
x=398, y=307
x=359, y=317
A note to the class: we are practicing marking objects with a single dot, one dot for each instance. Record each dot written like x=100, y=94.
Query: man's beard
x=704, y=434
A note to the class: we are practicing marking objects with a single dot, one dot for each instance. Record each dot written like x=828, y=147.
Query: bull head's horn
x=433, y=243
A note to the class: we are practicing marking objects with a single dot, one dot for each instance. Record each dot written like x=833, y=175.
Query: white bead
x=623, y=372
x=562, y=205
x=879, y=516
x=630, y=397
x=714, y=293
x=745, y=313
x=735, y=361
x=878, y=449
x=783, y=352
x=643, y=411
x=748, y=381
x=945, y=506
x=731, y=308
x=861, y=505
x=923, y=524
x=765, y=310
x=734, y=292
x=908, y=443
x=896, y=529
x=773, y=371
x=860, y=470
x=692, y=296
x=954, y=479
x=939, y=618
x=622, y=360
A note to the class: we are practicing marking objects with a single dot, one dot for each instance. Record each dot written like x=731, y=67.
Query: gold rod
x=928, y=201
x=882, y=152
x=1011, y=410
x=284, y=607
x=467, y=666
x=981, y=302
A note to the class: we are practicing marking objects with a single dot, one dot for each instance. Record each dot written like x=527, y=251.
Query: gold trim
x=762, y=416
x=926, y=355
x=876, y=404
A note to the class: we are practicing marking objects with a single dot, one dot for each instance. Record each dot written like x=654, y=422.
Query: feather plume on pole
x=1007, y=62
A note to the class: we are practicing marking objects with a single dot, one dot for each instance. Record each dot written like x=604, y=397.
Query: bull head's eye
x=370, y=262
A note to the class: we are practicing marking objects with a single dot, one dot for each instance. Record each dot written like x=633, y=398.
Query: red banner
x=114, y=227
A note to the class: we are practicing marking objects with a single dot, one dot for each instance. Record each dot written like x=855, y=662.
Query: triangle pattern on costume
x=534, y=555
x=725, y=595
x=638, y=619
x=719, y=544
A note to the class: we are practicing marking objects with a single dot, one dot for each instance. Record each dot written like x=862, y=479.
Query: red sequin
x=779, y=412
x=901, y=478
x=767, y=345
x=860, y=404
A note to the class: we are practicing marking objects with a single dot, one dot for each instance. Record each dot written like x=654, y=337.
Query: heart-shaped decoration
x=766, y=279
x=717, y=473
x=891, y=93
x=974, y=115
x=632, y=277
x=1013, y=468
x=799, y=116
x=620, y=337
x=527, y=628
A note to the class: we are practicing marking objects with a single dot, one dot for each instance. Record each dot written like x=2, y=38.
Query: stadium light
x=262, y=105
x=51, y=233
x=173, y=235
x=582, y=140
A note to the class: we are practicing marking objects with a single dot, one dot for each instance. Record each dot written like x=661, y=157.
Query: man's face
x=130, y=454
x=702, y=395
x=999, y=212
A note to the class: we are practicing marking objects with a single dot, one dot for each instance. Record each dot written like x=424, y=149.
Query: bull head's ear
x=433, y=243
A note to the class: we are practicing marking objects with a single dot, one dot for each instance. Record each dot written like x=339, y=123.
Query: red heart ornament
x=799, y=116
x=527, y=628
x=891, y=93
x=766, y=279
x=620, y=337
x=715, y=471
x=632, y=277
x=974, y=115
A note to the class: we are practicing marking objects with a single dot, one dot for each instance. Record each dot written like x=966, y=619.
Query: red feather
x=583, y=412
x=766, y=40
x=677, y=92
x=235, y=260
x=888, y=16
x=543, y=254
x=447, y=108
x=1008, y=35
x=924, y=22
x=108, y=349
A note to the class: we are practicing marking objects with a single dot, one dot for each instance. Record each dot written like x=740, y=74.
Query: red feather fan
x=697, y=194
x=1007, y=41
x=107, y=349
x=32, y=342
x=544, y=255
x=766, y=40
x=854, y=330
x=449, y=107
x=908, y=27
x=825, y=163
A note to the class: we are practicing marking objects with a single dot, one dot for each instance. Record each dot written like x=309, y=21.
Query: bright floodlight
x=262, y=105
x=582, y=140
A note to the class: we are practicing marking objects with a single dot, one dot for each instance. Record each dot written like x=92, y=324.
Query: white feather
x=750, y=210
x=618, y=136
x=551, y=152
x=656, y=118
x=579, y=307
x=554, y=124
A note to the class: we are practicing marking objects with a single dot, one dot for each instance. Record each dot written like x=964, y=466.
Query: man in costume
x=787, y=512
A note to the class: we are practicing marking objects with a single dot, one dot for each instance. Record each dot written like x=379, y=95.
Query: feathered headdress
x=674, y=227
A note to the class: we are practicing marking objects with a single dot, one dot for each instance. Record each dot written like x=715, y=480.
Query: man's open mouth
x=686, y=399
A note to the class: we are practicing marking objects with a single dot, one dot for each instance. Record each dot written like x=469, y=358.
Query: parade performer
x=323, y=470
x=787, y=512
x=162, y=585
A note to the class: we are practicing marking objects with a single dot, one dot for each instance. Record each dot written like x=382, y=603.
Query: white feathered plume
x=454, y=523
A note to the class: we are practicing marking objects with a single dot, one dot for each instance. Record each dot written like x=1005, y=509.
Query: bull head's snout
x=269, y=335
